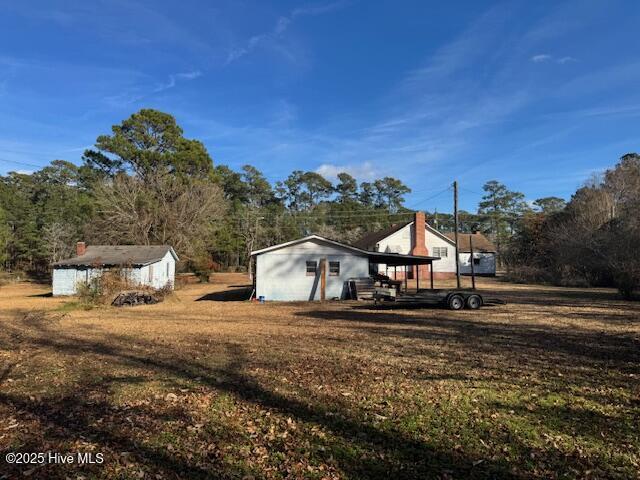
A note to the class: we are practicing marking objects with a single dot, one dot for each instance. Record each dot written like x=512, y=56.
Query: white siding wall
x=401, y=242
x=487, y=264
x=445, y=264
x=397, y=242
x=160, y=273
x=65, y=280
x=281, y=274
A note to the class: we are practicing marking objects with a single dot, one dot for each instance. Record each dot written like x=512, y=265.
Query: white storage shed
x=149, y=265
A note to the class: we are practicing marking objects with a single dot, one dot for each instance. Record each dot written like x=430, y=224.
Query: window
x=311, y=268
x=476, y=260
x=440, y=251
x=334, y=269
x=167, y=270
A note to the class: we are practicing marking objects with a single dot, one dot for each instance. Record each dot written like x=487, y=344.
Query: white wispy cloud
x=281, y=26
x=173, y=80
x=540, y=58
x=544, y=57
x=567, y=59
x=365, y=171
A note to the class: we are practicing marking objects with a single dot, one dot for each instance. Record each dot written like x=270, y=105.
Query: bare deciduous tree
x=59, y=238
x=162, y=209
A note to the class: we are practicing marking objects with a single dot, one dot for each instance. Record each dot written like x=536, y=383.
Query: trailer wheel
x=474, y=302
x=456, y=302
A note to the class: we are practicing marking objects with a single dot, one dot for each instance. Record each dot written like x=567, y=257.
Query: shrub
x=103, y=288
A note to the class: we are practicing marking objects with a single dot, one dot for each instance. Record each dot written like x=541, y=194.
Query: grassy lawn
x=206, y=386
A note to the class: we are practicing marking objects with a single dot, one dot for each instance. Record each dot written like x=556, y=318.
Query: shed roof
x=480, y=242
x=119, y=255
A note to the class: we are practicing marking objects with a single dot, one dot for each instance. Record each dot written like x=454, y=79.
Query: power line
x=347, y=215
x=433, y=196
x=24, y=164
x=470, y=191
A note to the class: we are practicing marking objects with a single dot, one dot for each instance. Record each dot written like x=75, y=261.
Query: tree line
x=145, y=183
x=593, y=240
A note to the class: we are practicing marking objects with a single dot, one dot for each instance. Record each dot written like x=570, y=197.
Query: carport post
x=431, y=273
x=323, y=279
x=405, y=279
x=473, y=270
x=417, y=278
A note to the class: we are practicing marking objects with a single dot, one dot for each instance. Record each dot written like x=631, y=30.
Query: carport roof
x=398, y=259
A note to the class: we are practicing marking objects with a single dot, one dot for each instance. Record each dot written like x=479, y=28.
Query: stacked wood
x=130, y=299
x=362, y=288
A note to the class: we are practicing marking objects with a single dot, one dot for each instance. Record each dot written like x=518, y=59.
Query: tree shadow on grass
x=568, y=297
x=359, y=448
x=231, y=295
x=504, y=338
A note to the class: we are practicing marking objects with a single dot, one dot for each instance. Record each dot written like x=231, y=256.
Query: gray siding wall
x=281, y=274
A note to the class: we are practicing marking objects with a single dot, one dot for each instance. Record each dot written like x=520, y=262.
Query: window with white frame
x=440, y=252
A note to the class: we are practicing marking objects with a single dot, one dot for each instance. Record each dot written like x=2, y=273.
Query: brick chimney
x=81, y=248
x=419, y=246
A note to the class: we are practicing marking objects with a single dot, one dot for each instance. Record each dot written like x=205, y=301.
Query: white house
x=299, y=269
x=405, y=238
x=484, y=253
x=150, y=265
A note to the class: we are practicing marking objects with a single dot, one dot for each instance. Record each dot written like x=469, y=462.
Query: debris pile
x=129, y=299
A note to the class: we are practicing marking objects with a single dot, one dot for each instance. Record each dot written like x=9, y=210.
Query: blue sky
x=539, y=95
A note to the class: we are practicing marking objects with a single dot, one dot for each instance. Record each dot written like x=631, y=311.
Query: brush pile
x=130, y=299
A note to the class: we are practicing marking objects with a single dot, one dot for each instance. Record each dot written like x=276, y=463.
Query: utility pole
x=455, y=221
x=473, y=269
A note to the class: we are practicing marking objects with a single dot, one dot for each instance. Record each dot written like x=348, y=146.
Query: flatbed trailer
x=454, y=299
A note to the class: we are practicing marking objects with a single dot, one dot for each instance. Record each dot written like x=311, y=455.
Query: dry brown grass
x=203, y=387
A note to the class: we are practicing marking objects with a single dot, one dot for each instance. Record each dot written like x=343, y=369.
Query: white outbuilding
x=316, y=268
x=148, y=265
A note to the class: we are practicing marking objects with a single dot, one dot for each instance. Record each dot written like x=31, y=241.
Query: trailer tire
x=474, y=302
x=456, y=302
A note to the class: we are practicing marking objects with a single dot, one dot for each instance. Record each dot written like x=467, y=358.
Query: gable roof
x=381, y=257
x=120, y=255
x=306, y=239
x=369, y=241
x=480, y=242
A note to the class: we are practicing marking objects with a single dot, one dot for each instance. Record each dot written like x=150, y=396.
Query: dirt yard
x=205, y=385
